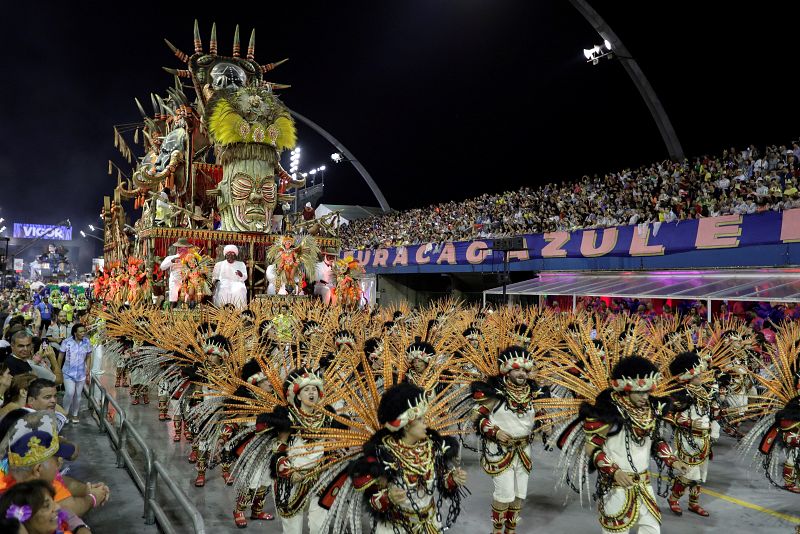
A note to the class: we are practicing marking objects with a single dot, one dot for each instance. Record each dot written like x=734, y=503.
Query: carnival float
x=204, y=168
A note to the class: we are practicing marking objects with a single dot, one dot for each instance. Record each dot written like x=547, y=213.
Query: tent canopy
x=347, y=213
x=753, y=284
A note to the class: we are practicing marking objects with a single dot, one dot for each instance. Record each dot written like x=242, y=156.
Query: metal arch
x=639, y=80
x=347, y=154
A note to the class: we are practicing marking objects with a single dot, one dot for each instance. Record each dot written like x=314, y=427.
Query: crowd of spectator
x=41, y=351
x=737, y=181
x=762, y=317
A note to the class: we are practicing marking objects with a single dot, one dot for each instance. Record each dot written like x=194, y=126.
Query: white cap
x=308, y=204
x=230, y=248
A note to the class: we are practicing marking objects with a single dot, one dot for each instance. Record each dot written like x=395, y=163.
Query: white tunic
x=175, y=275
x=324, y=285
x=231, y=288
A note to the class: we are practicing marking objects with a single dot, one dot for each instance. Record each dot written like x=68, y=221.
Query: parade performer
x=195, y=272
x=620, y=432
x=348, y=272
x=325, y=286
x=254, y=481
x=138, y=286
x=399, y=468
x=693, y=415
x=293, y=466
x=292, y=260
x=617, y=399
x=229, y=277
x=172, y=263
x=776, y=433
x=505, y=419
x=740, y=383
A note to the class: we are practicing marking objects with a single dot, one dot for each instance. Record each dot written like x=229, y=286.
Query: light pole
x=646, y=91
x=84, y=234
x=349, y=157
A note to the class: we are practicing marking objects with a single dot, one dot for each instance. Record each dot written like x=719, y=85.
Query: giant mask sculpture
x=249, y=128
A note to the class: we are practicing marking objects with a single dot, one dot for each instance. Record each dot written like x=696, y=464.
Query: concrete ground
x=97, y=463
x=739, y=499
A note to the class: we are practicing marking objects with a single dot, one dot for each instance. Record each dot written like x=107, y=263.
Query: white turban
x=230, y=248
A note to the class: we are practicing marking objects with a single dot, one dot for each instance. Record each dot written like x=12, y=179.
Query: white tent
x=347, y=213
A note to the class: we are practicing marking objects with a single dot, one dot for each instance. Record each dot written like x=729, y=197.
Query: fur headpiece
x=252, y=373
x=472, y=333
x=372, y=345
x=217, y=345
x=420, y=349
x=686, y=366
x=344, y=337
x=514, y=357
x=634, y=374
x=401, y=405
x=522, y=333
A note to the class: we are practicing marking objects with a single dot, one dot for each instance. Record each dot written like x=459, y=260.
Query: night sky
x=438, y=99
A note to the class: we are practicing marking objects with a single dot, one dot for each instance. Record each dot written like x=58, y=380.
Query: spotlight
x=83, y=234
x=320, y=169
x=337, y=157
x=312, y=171
x=596, y=53
x=92, y=228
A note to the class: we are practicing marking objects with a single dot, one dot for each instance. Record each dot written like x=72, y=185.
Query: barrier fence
x=122, y=433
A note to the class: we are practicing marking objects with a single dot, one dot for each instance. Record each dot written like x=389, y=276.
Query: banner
x=42, y=231
x=654, y=239
x=19, y=264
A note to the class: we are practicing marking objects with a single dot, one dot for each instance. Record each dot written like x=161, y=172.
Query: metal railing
x=125, y=433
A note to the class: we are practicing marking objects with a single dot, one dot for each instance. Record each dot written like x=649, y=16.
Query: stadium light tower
x=646, y=91
x=348, y=156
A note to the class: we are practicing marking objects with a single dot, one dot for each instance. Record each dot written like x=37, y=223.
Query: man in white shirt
x=325, y=281
x=172, y=263
x=229, y=276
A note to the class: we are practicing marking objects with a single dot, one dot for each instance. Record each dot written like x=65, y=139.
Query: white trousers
x=512, y=483
x=316, y=516
x=647, y=523
x=72, y=396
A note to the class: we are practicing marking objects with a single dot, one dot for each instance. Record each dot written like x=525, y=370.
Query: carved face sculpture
x=250, y=198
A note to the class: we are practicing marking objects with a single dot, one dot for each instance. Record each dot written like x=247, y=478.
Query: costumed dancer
x=620, y=433
x=140, y=386
x=325, y=285
x=172, y=263
x=292, y=261
x=776, y=433
x=739, y=383
x=243, y=437
x=123, y=354
x=229, y=277
x=693, y=415
x=294, y=465
x=505, y=419
x=203, y=418
x=402, y=467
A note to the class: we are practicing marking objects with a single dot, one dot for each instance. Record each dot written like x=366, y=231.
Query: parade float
x=210, y=173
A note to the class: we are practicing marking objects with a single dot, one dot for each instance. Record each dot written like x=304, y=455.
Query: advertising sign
x=707, y=236
x=42, y=231
x=19, y=264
